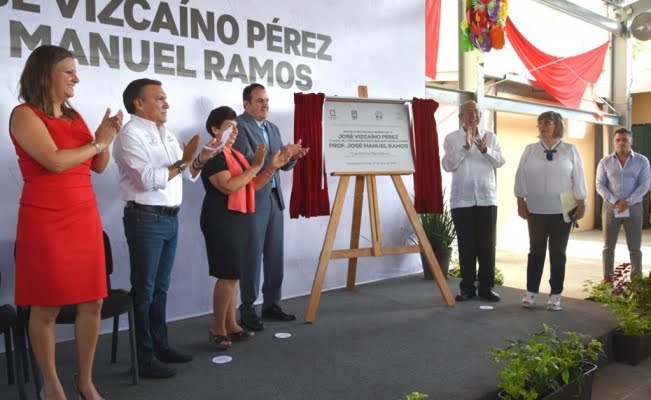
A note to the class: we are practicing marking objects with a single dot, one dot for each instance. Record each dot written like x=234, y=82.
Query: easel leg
x=374, y=217
x=355, y=230
x=328, y=242
x=425, y=246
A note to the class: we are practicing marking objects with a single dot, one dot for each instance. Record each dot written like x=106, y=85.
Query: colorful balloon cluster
x=483, y=27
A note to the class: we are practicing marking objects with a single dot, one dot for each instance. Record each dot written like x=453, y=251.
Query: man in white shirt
x=151, y=165
x=472, y=155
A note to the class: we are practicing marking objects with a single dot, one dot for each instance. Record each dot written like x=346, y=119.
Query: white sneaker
x=527, y=300
x=554, y=302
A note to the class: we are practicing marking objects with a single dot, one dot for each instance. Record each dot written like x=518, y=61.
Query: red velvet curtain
x=427, y=178
x=308, y=198
x=432, y=27
x=564, y=78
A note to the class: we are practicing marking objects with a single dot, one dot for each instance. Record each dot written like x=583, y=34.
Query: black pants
x=541, y=228
x=475, y=228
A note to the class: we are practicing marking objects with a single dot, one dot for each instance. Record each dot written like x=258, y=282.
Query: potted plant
x=630, y=301
x=546, y=365
x=440, y=232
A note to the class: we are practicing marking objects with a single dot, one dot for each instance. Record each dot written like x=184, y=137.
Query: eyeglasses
x=544, y=123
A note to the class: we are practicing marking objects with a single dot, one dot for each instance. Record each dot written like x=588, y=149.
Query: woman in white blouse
x=548, y=168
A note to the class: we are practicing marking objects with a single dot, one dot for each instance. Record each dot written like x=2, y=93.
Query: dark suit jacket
x=248, y=139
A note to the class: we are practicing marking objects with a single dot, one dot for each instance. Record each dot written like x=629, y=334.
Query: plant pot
x=443, y=257
x=631, y=349
x=577, y=389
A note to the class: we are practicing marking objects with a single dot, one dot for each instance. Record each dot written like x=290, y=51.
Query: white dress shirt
x=143, y=153
x=473, y=172
x=541, y=181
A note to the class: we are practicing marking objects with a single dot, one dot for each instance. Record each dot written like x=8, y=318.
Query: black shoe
x=275, y=312
x=251, y=320
x=465, y=296
x=490, y=296
x=172, y=355
x=156, y=369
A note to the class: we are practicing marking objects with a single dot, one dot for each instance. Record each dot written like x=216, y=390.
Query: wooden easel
x=377, y=249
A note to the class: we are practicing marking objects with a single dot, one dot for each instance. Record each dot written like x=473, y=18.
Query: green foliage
x=439, y=229
x=638, y=49
x=630, y=300
x=415, y=396
x=499, y=277
x=543, y=362
x=456, y=272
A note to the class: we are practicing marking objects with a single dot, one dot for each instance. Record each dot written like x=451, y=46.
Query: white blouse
x=541, y=181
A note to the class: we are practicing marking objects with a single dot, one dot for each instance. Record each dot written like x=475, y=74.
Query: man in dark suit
x=267, y=243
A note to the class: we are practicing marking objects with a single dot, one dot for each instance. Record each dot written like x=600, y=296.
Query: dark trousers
x=541, y=228
x=266, y=253
x=475, y=228
x=152, y=247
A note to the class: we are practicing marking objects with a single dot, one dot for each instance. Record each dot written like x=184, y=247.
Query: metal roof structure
x=614, y=16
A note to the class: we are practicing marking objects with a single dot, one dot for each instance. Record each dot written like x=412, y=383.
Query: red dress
x=59, y=242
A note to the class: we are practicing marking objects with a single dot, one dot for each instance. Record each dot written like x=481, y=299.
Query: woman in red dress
x=59, y=243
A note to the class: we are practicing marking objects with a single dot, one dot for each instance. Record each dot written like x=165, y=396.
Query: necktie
x=265, y=136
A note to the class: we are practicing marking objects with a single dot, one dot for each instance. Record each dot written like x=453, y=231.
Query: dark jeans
x=152, y=246
x=475, y=228
x=541, y=228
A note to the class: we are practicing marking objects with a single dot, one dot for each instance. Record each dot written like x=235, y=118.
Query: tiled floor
x=615, y=381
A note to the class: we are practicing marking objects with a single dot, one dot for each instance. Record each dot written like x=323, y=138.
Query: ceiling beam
x=530, y=108
x=502, y=104
x=586, y=15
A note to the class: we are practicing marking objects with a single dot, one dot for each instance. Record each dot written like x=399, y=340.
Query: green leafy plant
x=415, y=396
x=543, y=362
x=456, y=272
x=439, y=229
x=629, y=299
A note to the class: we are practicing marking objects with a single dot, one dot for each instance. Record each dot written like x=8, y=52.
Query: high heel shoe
x=75, y=387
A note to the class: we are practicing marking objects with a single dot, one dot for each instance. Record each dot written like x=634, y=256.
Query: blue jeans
x=152, y=247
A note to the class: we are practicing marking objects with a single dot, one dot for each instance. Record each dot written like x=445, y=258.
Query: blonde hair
x=556, y=118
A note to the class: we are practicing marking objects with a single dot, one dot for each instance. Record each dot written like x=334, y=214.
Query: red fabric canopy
x=565, y=78
x=308, y=198
x=428, y=194
x=432, y=27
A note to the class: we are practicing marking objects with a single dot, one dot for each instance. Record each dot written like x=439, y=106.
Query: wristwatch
x=180, y=165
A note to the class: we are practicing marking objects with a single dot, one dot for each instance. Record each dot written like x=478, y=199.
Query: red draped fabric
x=432, y=26
x=308, y=198
x=565, y=78
x=428, y=192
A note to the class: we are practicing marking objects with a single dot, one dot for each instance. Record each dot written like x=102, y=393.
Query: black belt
x=160, y=210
